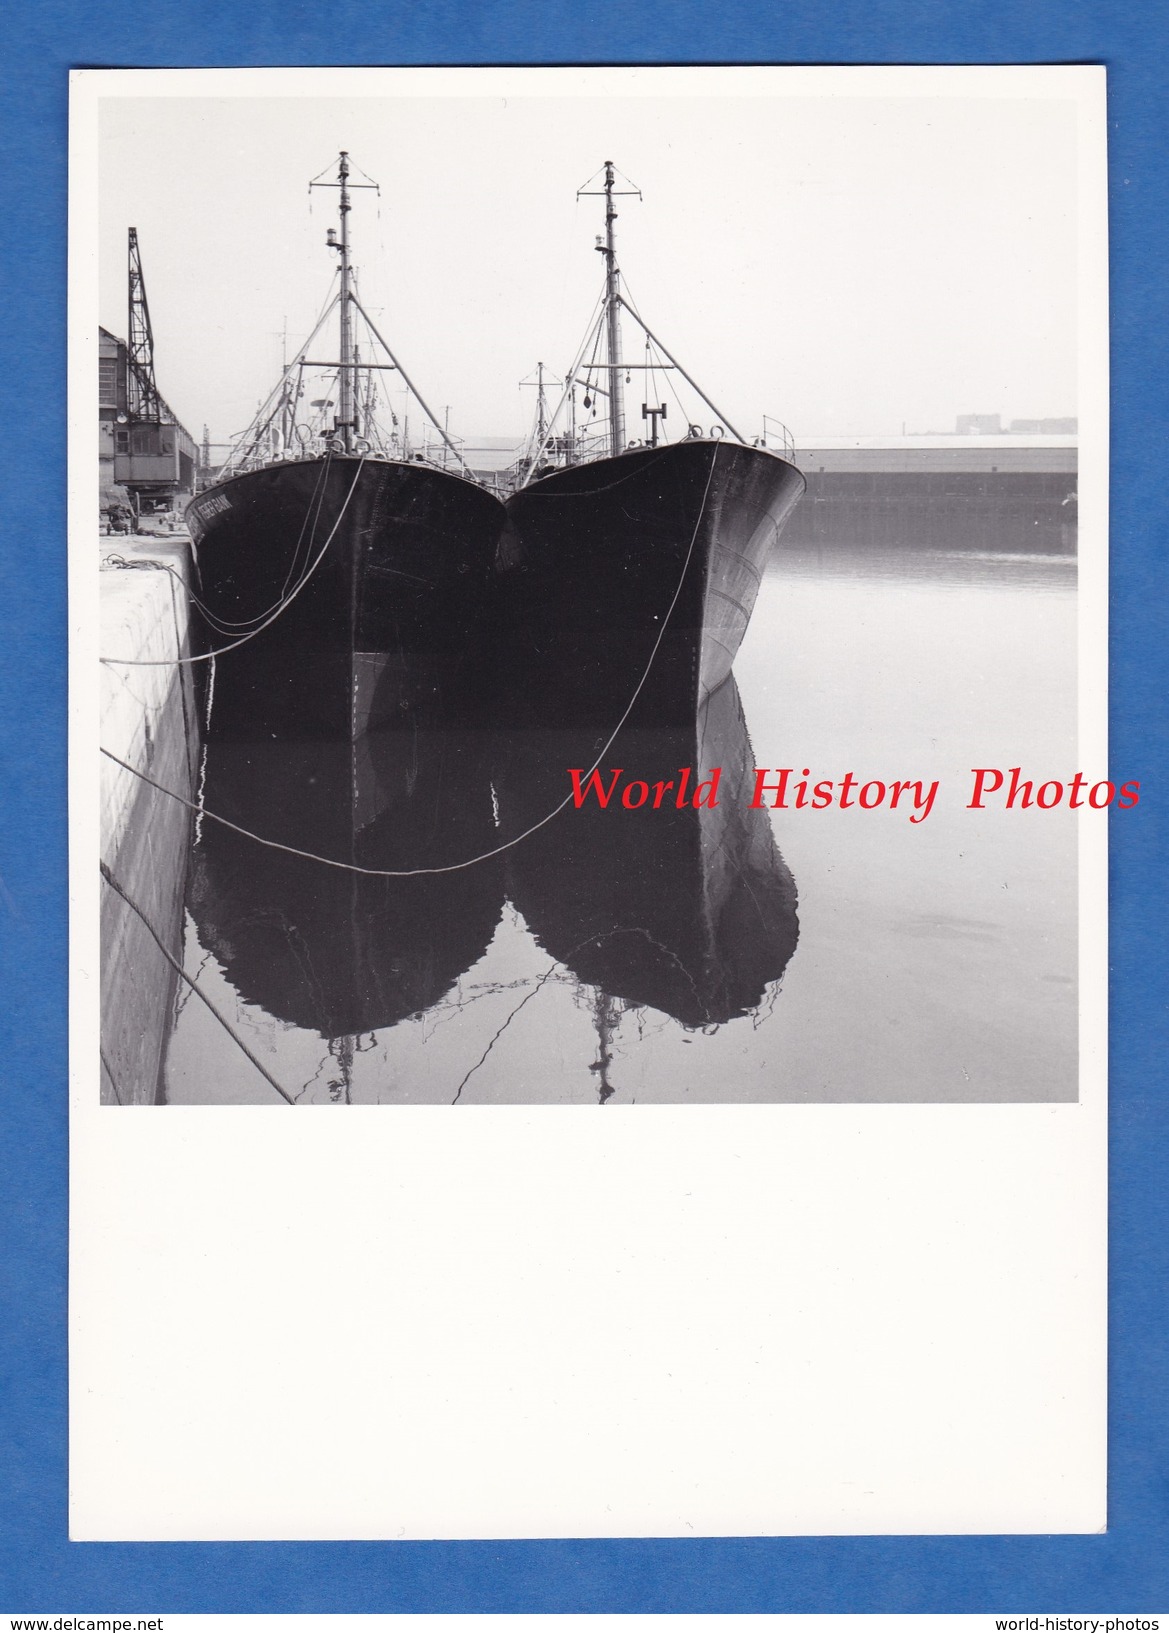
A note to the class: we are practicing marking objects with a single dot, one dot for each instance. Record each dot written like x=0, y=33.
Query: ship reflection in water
x=512, y=975
x=688, y=911
x=335, y=951
x=651, y=955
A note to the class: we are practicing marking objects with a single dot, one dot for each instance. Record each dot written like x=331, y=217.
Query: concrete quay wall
x=148, y=719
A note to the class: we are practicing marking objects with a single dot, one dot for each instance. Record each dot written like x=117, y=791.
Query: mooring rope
x=191, y=982
x=231, y=626
x=499, y=850
x=204, y=657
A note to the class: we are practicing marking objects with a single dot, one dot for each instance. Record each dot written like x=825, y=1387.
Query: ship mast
x=345, y=422
x=613, y=320
x=612, y=303
x=348, y=299
x=541, y=404
x=608, y=318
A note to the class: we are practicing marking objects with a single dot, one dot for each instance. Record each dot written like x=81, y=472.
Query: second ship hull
x=341, y=594
x=631, y=580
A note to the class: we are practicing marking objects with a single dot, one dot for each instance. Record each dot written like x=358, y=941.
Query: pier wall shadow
x=146, y=851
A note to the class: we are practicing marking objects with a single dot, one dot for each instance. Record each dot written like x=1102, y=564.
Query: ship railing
x=777, y=437
x=590, y=444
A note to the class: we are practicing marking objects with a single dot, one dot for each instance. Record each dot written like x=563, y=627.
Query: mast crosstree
x=353, y=431
x=606, y=322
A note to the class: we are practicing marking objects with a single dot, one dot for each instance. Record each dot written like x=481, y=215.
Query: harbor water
x=624, y=956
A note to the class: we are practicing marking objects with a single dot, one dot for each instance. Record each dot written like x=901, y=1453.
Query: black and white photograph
x=588, y=597
x=588, y=589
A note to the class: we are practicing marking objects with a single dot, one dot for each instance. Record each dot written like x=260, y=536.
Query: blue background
x=1125, y=1570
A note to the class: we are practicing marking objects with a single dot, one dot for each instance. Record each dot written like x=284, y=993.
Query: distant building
x=979, y=425
x=958, y=492
x=1044, y=428
x=155, y=460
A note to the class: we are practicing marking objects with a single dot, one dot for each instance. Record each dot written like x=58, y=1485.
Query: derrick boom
x=144, y=403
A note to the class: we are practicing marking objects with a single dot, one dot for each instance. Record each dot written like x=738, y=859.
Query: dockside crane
x=144, y=403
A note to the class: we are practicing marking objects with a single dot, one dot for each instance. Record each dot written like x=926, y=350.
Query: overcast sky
x=847, y=263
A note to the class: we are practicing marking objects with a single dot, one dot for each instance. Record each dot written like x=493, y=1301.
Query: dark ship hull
x=638, y=571
x=691, y=910
x=369, y=577
x=339, y=952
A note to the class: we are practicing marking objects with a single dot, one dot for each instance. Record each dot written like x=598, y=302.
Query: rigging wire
x=268, y=409
x=594, y=322
x=314, y=510
x=631, y=307
x=191, y=983
x=669, y=373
